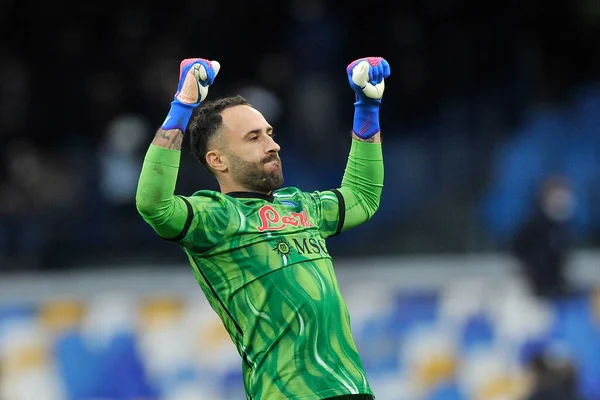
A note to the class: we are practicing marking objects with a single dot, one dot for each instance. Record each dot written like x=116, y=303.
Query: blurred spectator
x=552, y=380
x=126, y=141
x=542, y=243
x=14, y=94
x=264, y=100
x=38, y=189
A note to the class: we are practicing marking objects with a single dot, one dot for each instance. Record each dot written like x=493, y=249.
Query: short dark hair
x=207, y=122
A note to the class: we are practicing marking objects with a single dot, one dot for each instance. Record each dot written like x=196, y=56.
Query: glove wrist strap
x=366, y=118
x=179, y=116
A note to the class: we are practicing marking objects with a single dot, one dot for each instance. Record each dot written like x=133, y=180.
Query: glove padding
x=195, y=76
x=367, y=80
x=367, y=77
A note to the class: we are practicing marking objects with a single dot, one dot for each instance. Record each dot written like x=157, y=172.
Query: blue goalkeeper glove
x=195, y=76
x=366, y=77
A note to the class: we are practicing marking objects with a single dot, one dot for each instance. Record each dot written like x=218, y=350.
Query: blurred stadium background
x=487, y=103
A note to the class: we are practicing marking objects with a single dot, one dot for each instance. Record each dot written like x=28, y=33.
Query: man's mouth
x=274, y=159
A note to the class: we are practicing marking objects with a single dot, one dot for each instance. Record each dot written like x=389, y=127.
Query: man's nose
x=272, y=146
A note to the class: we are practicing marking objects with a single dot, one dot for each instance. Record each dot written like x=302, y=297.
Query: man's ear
x=216, y=160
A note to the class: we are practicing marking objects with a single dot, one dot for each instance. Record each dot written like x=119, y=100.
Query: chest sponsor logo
x=271, y=220
x=282, y=247
x=302, y=246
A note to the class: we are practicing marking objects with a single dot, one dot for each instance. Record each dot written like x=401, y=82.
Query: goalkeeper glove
x=195, y=76
x=366, y=77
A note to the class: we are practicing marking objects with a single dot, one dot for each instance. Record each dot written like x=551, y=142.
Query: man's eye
x=254, y=138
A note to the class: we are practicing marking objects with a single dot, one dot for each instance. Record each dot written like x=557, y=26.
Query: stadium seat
x=232, y=384
x=377, y=341
x=460, y=299
x=580, y=335
x=27, y=365
x=519, y=168
x=125, y=375
x=477, y=331
x=487, y=373
x=415, y=308
x=80, y=367
x=448, y=390
x=163, y=348
x=429, y=356
x=517, y=315
x=192, y=391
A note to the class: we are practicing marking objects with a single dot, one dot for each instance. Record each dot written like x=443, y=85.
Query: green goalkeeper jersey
x=262, y=262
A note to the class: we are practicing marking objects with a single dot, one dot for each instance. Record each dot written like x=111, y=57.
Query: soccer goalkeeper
x=257, y=250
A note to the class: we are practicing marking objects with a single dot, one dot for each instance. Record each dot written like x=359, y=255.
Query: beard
x=257, y=176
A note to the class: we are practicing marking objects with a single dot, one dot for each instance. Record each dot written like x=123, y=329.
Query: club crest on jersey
x=271, y=220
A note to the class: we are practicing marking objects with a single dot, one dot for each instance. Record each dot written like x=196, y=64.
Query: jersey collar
x=252, y=195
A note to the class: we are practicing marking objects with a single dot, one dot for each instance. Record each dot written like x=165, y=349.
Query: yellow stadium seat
x=57, y=315
x=433, y=371
x=24, y=358
x=503, y=388
x=155, y=311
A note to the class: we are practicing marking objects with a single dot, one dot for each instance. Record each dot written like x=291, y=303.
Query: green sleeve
x=362, y=183
x=166, y=213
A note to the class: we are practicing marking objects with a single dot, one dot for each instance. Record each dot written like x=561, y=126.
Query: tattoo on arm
x=369, y=140
x=169, y=139
x=372, y=139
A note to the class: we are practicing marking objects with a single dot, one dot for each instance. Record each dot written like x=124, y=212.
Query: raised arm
x=363, y=178
x=155, y=199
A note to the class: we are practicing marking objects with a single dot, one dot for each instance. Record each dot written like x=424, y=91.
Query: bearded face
x=245, y=155
x=257, y=176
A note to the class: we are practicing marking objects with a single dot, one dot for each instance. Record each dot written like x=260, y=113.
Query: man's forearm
x=155, y=199
x=169, y=139
x=363, y=181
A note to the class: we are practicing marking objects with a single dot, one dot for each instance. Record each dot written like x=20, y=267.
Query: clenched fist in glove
x=195, y=76
x=367, y=79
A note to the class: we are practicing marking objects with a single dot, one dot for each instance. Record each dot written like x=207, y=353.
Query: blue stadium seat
x=378, y=342
x=449, y=390
x=576, y=328
x=14, y=312
x=414, y=309
x=550, y=142
x=124, y=375
x=232, y=386
x=517, y=170
x=478, y=330
x=531, y=348
x=380, y=338
x=113, y=372
x=586, y=103
x=581, y=166
x=81, y=369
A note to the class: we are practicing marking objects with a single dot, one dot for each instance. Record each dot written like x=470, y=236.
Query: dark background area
x=486, y=101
